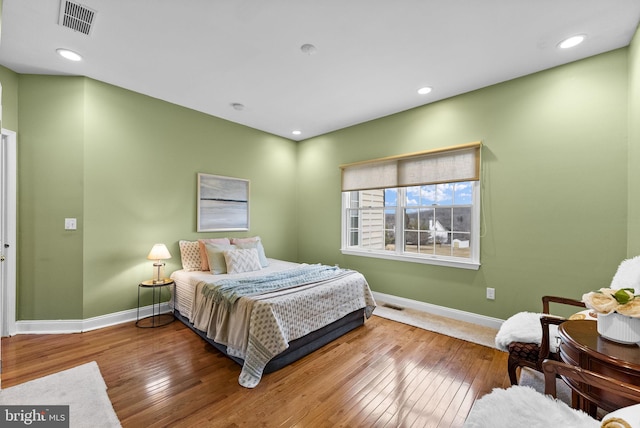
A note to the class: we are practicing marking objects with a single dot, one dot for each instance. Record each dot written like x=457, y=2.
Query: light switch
x=70, y=224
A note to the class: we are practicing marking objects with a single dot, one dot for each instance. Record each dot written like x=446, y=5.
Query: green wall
x=9, y=81
x=142, y=157
x=559, y=182
x=634, y=147
x=554, y=186
x=125, y=165
x=50, y=177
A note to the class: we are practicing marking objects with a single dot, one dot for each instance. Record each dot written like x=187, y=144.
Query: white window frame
x=398, y=254
x=436, y=166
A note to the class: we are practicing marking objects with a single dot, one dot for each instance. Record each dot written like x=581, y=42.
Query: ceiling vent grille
x=76, y=17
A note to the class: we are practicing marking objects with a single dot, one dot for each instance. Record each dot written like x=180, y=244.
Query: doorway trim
x=9, y=232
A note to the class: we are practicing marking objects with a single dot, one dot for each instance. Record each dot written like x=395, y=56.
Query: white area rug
x=459, y=329
x=82, y=388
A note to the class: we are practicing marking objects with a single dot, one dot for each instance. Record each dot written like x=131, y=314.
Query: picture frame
x=223, y=203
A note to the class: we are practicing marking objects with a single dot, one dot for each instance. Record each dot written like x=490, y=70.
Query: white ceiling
x=371, y=55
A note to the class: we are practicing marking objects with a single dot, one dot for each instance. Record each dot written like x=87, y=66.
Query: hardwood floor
x=383, y=374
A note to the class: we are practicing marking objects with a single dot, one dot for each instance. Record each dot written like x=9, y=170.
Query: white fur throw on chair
x=524, y=327
x=521, y=406
x=627, y=275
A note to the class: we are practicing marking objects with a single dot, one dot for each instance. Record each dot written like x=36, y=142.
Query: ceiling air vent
x=76, y=16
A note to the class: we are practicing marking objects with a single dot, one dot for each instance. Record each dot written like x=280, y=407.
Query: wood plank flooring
x=383, y=374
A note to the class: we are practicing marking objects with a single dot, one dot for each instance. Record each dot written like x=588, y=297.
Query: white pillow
x=215, y=256
x=253, y=242
x=239, y=261
x=190, y=255
x=204, y=260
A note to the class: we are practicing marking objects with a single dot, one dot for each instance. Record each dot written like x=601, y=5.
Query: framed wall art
x=223, y=203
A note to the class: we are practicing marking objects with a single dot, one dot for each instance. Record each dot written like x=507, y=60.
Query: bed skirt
x=298, y=348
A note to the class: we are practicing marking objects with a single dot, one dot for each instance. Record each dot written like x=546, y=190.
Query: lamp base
x=158, y=273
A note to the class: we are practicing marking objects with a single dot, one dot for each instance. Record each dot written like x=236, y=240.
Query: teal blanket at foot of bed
x=228, y=291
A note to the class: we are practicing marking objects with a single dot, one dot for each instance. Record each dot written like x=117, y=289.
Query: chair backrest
x=547, y=320
x=546, y=300
x=553, y=368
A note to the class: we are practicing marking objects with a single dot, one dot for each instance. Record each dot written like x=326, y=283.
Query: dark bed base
x=297, y=348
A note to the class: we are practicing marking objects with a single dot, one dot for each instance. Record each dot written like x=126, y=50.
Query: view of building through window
x=430, y=220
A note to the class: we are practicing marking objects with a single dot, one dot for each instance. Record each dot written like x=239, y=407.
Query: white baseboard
x=443, y=311
x=78, y=326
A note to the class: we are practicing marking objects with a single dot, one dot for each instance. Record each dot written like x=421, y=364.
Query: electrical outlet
x=491, y=293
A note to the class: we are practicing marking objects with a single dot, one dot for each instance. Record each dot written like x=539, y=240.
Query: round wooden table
x=582, y=346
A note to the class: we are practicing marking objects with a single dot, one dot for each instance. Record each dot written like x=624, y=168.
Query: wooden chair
x=524, y=354
x=523, y=406
x=532, y=354
x=553, y=369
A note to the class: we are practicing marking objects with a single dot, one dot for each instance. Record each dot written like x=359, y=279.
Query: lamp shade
x=159, y=252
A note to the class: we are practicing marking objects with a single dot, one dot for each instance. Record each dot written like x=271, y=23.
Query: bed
x=271, y=315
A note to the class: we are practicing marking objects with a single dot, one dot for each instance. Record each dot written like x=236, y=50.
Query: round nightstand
x=156, y=319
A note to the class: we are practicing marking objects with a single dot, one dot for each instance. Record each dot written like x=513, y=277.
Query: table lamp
x=157, y=253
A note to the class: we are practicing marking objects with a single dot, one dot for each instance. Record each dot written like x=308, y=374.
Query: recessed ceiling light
x=296, y=132
x=571, y=41
x=237, y=106
x=308, y=49
x=70, y=55
x=425, y=90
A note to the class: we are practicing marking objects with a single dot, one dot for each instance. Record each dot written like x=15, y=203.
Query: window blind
x=451, y=164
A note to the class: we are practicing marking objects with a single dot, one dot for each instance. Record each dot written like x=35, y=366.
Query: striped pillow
x=239, y=261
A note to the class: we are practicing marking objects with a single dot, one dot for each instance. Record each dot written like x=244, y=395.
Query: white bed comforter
x=259, y=328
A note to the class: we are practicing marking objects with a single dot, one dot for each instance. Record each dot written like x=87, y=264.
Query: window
x=434, y=220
